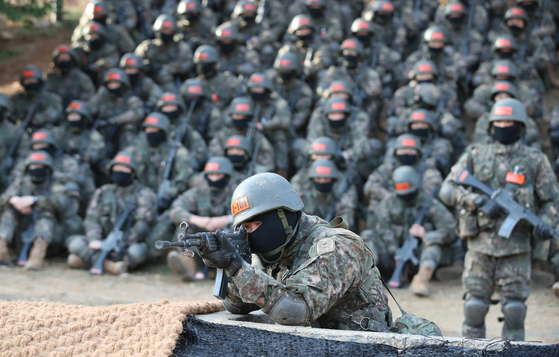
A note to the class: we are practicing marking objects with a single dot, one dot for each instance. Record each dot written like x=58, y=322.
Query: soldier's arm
x=51, y=112
x=13, y=190
x=303, y=107
x=87, y=88
x=144, y=215
x=197, y=145
x=215, y=146
x=180, y=209
x=533, y=138
x=133, y=113
x=460, y=197
x=125, y=42
x=266, y=154
x=92, y=225
x=155, y=92
x=371, y=85
x=95, y=150
x=181, y=173
x=545, y=187
x=384, y=227
x=443, y=222
x=281, y=118
x=375, y=187
x=347, y=205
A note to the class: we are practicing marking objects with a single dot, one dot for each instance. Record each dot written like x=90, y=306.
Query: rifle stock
x=27, y=237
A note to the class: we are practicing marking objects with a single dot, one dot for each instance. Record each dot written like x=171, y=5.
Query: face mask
x=166, y=37
x=270, y=236
x=337, y=124
x=381, y=18
x=436, y=50
x=219, y=184
x=134, y=78
x=38, y=175
x=95, y=44
x=258, y=97
x=350, y=61
x=316, y=12
x=197, y=101
x=507, y=135
x=306, y=38
x=530, y=8
x=249, y=19
x=32, y=87
x=172, y=115
x=65, y=66
x=75, y=126
x=227, y=47
x=421, y=133
x=122, y=179
x=419, y=104
x=101, y=19
x=505, y=55
x=410, y=197
x=117, y=92
x=238, y=161
x=407, y=159
x=156, y=138
x=192, y=17
x=456, y=21
x=241, y=124
x=206, y=69
x=365, y=39
x=515, y=30
x=323, y=187
x=286, y=76
x=424, y=81
x=50, y=149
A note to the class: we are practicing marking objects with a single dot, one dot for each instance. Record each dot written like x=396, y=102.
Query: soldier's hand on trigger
x=487, y=207
x=418, y=231
x=95, y=244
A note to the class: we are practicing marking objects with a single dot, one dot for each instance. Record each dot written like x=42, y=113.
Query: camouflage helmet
x=123, y=158
x=516, y=12
x=453, y=8
x=242, y=106
x=504, y=68
x=131, y=60
x=157, y=120
x=96, y=8
x=360, y=24
x=378, y=6
x=323, y=146
x=352, y=44
x=43, y=136
x=425, y=66
x=406, y=180
x=262, y=193
x=423, y=116
x=170, y=98
x=336, y=105
x=323, y=169
x=508, y=109
x=94, y=27
x=219, y=165
x=5, y=102
x=116, y=75
x=164, y=22
x=77, y=106
x=193, y=88
x=287, y=61
x=239, y=142
x=226, y=31
x=206, y=54
x=31, y=71
x=260, y=80
x=242, y=7
x=301, y=21
x=505, y=42
x=502, y=86
x=339, y=86
x=408, y=141
x=65, y=49
x=435, y=33
x=39, y=157
x=189, y=7
x=429, y=93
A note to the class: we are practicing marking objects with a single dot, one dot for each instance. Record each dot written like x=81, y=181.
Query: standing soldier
x=66, y=79
x=141, y=85
x=106, y=207
x=493, y=261
x=234, y=56
x=196, y=23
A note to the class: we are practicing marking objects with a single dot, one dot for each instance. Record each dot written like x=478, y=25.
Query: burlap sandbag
x=61, y=330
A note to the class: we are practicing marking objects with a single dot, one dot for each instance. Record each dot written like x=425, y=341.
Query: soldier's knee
x=137, y=254
x=515, y=313
x=475, y=310
x=77, y=244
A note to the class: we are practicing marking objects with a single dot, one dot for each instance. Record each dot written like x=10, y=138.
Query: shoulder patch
x=325, y=246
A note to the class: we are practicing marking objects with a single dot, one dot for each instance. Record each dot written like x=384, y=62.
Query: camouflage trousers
x=135, y=254
x=510, y=274
x=13, y=224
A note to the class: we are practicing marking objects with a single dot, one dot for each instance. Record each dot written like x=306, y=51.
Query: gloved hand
x=488, y=207
x=225, y=257
x=543, y=232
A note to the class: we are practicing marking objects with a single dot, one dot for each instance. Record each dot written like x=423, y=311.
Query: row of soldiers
x=156, y=113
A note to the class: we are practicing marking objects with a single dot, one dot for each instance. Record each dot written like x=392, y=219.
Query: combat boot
x=181, y=265
x=420, y=282
x=37, y=254
x=449, y=273
x=4, y=254
x=540, y=276
x=115, y=268
x=75, y=262
x=555, y=289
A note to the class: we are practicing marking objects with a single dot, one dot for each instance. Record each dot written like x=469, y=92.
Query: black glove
x=488, y=207
x=543, y=232
x=225, y=257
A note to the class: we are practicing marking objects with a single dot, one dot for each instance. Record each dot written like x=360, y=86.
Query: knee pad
x=515, y=313
x=137, y=254
x=78, y=245
x=290, y=310
x=475, y=311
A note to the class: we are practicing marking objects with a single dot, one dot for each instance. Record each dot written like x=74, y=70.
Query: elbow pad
x=290, y=310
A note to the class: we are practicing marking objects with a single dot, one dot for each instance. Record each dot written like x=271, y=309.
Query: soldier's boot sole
x=542, y=277
x=420, y=282
x=115, y=268
x=37, y=255
x=75, y=262
x=555, y=289
x=181, y=265
x=4, y=254
x=450, y=273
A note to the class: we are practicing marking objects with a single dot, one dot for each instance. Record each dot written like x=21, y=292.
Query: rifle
x=240, y=88
x=113, y=130
x=406, y=253
x=505, y=200
x=143, y=27
x=252, y=128
x=84, y=146
x=8, y=162
x=376, y=49
x=27, y=238
x=208, y=242
x=163, y=201
x=343, y=185
x=201, y=128
x=113, y=242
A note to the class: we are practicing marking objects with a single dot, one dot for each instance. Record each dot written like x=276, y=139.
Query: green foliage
x=6, y=55
x=16, y=10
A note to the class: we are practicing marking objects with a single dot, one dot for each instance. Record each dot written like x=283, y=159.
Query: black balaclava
x=227, y=47
x=515, y=30
x=65, y=66
x=316, y=12
x=96, y=44
x=38, y=175
x=122, y=179
x=306, y=38
x=76, y=126
x=100, y=19
x=117, y=92
x=238, y=161
x=407, y=159
x=172, y=115
x=270, y=239
x=456, y=21
x=206, y=69
x=286, y=76
x=507, y=135
x=381, y=19
x=324, y=187
x=409, y=199
x=420, y=133
x=166, y=38
x=198, y=101
x=365, y=39
x=258, y=97
x=337, y=125
x=351, y=61
x=242, y=124
x=134, y=77
x=249, y=19
x=32, y=87
x=156, y=138
x=219, y=184
x=435, y=50
x=420, y=104
x=505, y=54
x=191, y=17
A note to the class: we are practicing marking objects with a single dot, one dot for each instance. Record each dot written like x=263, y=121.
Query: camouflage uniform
x=480, y=22
x=141, y=85
x=234, y=57
x=328, y=26
x=196, y=23
x=371, y=84
x=116, y=36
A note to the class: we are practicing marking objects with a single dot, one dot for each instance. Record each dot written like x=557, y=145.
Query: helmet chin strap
x=289, y=232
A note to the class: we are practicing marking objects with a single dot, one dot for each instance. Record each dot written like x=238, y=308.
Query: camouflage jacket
x=73, y=142
x=240, y=61
x=448, y=62
x=319, y=204
x=74, y=86
x=213, y=120
x=325, y=266
x=96, y=62
x=535, y=187
x=127, y=109
x=222, y=88
x=192, y=141
x=323, y=55
x=116, y=35
x=201, y=201
x=202, y=32
x=148, y=91
x=47, y=114
x=175, y=58
x=371, y=84
x=275, y=128
x=109, y=202
x=403, y=98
